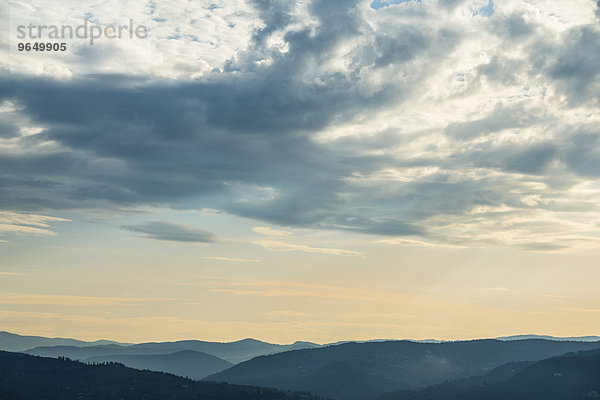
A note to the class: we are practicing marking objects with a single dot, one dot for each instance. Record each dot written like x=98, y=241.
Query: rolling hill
x=568, y=377
x=233, y=352
x=555, y=338
x=13, y=342
x=186, y=363
x=363, y=371
x=25, y=377
x=449, y=390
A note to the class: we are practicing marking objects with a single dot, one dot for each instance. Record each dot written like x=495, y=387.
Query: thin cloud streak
x=27, y=224
x=275, y=245
x=171, y=232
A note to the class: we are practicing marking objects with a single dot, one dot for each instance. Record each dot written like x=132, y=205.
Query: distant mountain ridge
x=13, y=342
x=363, y=371
x=417, y=365
x=189, y=358
x=233, y=352
x=555, y=338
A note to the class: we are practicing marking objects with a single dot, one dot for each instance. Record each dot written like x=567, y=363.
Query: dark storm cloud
x=171, y=232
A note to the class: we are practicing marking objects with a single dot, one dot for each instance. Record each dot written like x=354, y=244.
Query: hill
x=13, y=342
x=25, y=377
x=555, y=338
x=233, y=352
x=568, y=377
x=187, y=363
x=363, y=371
x=450, y=390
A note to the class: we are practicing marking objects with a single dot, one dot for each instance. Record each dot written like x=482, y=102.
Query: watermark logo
x=80, y=38
x=91, y=32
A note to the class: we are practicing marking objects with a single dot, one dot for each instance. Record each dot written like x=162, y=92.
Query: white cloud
x=185, y=38
x=27, y=224
x=275, y=245
x=417, y=243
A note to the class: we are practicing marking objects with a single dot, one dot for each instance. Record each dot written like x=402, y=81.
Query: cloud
x=182, y=40
x=514, y=26
x=395, y=123
x=27, y=224
x=417, y=243
x=275, y=245
x=573, y=65
x=171, y=232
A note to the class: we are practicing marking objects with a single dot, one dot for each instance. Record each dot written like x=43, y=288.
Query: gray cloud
x=127, y=142
x=500, y=118
x=243, y=139
x=501, y=70
x=171, y=232
x=575, y=64
x=513, y=27
x=8, y=130
x=450, y=4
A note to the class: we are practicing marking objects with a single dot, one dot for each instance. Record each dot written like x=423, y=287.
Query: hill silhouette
x=187, y=363
x=555, y=338
x=568, y=377
x=13, y=342
x=363, y=371
x=233, y=352
x=449, y=390
x=26, y=377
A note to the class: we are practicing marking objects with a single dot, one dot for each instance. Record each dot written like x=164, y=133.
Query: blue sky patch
x=486, y=11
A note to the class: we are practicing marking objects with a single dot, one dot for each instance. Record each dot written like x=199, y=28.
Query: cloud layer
x=452, y=122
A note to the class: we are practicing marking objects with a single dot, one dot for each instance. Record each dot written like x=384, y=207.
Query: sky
x=316, y=170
